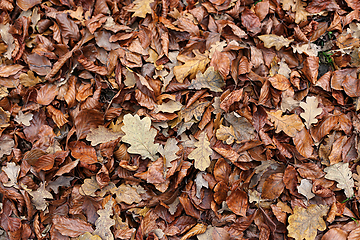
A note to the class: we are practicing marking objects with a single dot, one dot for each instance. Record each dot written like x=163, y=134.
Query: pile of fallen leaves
x=179, y=119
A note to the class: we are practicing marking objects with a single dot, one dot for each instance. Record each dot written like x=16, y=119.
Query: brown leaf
x=90, y=66
x=273, y=186
x=87, y=119
x=191, y=66
x=304, y=143
x=27, y=4
x=9, y=70
x=83, y=152
x=280, y=82
x=237, y=202
x=46, y=94
x=70, y=226
x=289, y=124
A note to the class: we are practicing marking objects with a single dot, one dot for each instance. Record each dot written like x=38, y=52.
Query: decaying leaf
x=140, y=135
x=311, y=111
x=341, y=173
x=272, y=40
x=211, y=79
x=201, y=154
x=289, y=124
x=304, y=223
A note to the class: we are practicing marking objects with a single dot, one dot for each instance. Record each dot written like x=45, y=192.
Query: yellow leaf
x=28, y=79
x=304, y=223
x=140, y=135
x=88, y=236
x=211, y=79
x=201, y=154
x=272, y=40
x=141, y=8
x=311, y=111
x=290, y=124
x=191, y=66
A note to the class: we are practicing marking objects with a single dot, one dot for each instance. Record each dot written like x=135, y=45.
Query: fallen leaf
x=141, y=8
x=127, y=194
x=304, y=223
x=311, y=111
x=210, y=79
x=226, y=134
x=200, y=182
x=39, y=196
x=168, y=107
x=169, y=151
x=272, y=40
x=201, y=154
x=341, y=173
x=12, y=171
x=305, y=189
x=102, y=134
x=140, y=135
x=70, y=226
x=191, y=65
x=22, y=118
x=289, y=124
x=105, y=222
x=6, y=146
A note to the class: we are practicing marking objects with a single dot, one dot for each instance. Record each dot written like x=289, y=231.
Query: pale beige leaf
x=341, y=173
x=289, y=124
x=169, y=151
x=200, y=182
x=304, y=223
x=126, y=193
x=311, y=111
x=6, y=146
x=201, y=154
x=305, y=189
x=89, y=187
x=24, y=119
x=141, y=8
x=102, y=135
x=39, y=196
x=309, y=49
x=210, y=79
x=104, y=222
x=140, y=135
x=218, y=46
x=289, y=103
x=12, y=171
x=272, y=40
x=168, y=107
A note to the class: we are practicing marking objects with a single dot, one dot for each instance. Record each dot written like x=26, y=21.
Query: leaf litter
x=179, y=119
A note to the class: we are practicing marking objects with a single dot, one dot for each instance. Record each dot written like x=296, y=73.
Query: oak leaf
x=28, y=79
x=311, y=111
x=88, y=236
x=191, y=65
x=196, y=110
x=141, y=8
x=38, y=197
x=226, y=134
x=341, y=173
x=104, y=222
x=304, y=223
x=305, y=189
x=140, y=135
x=22, y=118
x=127, y=194
x=289, y=124
x=169, y=151
x=168, y=107
x=102, y=135
x=12, y=171
x=210, y=79
x=201, y=154
x=272, y=40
